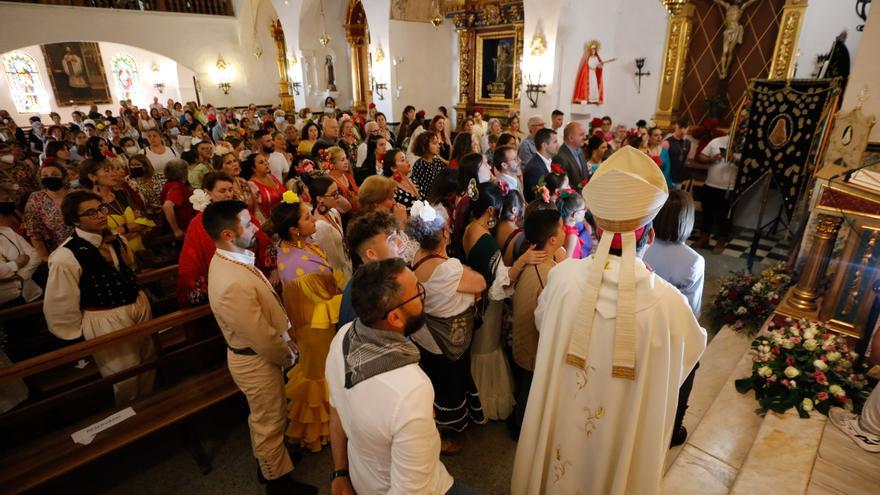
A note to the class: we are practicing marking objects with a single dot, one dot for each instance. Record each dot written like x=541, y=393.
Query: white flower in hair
x=200, y=200
x=424, y=211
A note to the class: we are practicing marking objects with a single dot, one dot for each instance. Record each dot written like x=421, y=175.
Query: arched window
x=128, y=81
x=25, y=85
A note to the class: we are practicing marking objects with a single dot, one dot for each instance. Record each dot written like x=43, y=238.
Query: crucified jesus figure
x=733, y=31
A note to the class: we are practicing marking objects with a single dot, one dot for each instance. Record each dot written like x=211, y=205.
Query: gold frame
x=493, y=34
x=860, y=193
x=860, y=304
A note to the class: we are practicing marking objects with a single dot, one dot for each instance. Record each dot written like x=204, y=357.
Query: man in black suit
x=570, y=156
x=547, y=145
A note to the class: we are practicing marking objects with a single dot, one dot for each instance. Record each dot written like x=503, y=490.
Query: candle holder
x=297, y=86
x=640, y=64
x=533, y=91
x=379, y=89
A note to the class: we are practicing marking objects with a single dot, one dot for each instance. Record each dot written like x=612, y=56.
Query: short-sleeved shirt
x=721, y=174
x=179, y=193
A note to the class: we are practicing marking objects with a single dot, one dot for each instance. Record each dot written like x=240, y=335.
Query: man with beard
x=382, y=418
x=254, y=324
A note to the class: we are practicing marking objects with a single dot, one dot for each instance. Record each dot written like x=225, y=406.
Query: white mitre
x=625, y=193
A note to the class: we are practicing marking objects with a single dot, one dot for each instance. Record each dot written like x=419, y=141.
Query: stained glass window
x=25, y=85
x=128, y=81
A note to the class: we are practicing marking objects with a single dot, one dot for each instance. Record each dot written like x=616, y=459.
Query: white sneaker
x=848, y=423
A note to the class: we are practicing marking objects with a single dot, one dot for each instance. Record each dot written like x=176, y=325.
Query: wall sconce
x=539, y=45
x=157, y=79
x=380, y=55
x=223, y=75
x=640, y=64
x=379, y=89
x=437, y=18
x=533, y=91
x=297, y=86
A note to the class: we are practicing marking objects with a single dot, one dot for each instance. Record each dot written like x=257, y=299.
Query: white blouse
x=329, y=238
x=442, y=299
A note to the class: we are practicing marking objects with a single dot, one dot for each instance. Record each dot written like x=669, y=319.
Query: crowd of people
x=383, y=288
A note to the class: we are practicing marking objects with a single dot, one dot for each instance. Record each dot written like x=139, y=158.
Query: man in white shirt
x=18, y=261
x=92, y=292
x=507, y=166
x=370, y=129
x=715, y=195
x=547, y=144
x=382, y=427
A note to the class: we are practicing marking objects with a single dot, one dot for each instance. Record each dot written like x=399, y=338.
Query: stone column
x=787, y=39
x=284, y=95
x=678, y=40
x=804, y=296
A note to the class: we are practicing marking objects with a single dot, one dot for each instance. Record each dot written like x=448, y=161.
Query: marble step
x=781, y=458
x=717, y=447
x=718, y=361
x=842, y=468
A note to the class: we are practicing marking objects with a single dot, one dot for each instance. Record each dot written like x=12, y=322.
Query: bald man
x=570, y=155
x=527, y=149
x=329, y=136
x=370, y=129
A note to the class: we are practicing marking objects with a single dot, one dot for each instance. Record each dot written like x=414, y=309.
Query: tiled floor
x=770, y=249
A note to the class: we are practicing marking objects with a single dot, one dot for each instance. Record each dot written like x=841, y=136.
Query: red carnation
x=789, y=361
x=557, y=169
x=822, y=396
x=732, y=294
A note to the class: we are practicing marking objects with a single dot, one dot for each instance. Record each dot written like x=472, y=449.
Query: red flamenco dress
x=195, y=258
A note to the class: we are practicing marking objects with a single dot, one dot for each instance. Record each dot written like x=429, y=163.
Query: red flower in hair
x=372, y=105
x=596, y=122
x=398, y=177
x=583, y=184
x=557, y=169
x=504, y=186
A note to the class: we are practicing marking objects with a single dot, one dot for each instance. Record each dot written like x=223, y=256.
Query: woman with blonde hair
x=377, y=193
x=336, y=161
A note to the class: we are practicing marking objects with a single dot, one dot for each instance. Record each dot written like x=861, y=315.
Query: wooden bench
x=37, y=449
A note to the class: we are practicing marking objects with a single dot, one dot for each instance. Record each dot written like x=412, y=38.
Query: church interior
x=764, y=112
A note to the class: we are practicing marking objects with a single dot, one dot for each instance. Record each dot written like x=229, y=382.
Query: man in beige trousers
x=254, y=324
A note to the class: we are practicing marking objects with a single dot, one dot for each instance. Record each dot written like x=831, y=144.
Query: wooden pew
x=45, y=450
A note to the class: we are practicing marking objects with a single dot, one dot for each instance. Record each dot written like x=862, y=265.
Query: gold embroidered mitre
x=625, y=193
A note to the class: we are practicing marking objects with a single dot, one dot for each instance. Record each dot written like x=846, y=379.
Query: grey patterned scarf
x=369, y=352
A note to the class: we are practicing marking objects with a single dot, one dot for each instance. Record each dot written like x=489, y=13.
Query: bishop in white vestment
x=604, y=395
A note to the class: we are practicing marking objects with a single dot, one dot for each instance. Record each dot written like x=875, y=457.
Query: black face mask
x=7, y=208
x=52, y=183
x=136, y=172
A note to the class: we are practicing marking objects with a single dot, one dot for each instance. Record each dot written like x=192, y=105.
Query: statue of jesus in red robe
x=589, y=88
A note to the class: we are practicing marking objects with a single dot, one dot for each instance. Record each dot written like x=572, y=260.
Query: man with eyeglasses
x=370, y=129
x=507, y=167
x=527, y=148
x=382, y=428
x=92, y=292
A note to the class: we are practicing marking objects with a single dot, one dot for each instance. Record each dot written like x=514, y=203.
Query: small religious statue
x=73, y=67
x=733, y=31
x=589, y=87
x=503, y=62
x=330, y=73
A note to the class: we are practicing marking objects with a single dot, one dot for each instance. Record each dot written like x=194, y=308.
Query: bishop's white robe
x=585, y=432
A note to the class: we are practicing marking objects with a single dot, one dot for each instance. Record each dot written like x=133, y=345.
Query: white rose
x=741, y=310
x=810, y=344
x=787, y=344
x=792, y=372
x=833, y=356
x=807, y=404
x=836, y=390
x=820, y=365
x=765, y=371
x=811, y=332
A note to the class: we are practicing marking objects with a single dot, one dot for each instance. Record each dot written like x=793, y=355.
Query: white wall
x=627, y=29
x=310, y=29
x=866, y=73
x=170, y=72
x=193, y=41
x=823, y=21
x=428, y=75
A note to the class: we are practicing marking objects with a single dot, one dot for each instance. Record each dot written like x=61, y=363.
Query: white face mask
x=279, y=120
x=7, y=159
x=131, y=150
x=174, y=131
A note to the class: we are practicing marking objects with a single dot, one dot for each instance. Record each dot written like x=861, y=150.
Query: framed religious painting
x=496, y=71
x=76, y=72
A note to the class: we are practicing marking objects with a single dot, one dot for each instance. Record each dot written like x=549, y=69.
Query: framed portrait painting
x=497, y=66
x=76, y=72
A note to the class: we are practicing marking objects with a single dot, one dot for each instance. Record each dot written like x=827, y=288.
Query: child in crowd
x=572, y=209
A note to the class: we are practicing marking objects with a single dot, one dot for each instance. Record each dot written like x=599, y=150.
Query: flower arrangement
x=745, y=301
x=803, y=365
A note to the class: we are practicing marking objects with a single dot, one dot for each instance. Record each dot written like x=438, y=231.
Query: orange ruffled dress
x=311, y=298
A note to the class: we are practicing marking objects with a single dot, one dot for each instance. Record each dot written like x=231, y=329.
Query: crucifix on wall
x=733, y=31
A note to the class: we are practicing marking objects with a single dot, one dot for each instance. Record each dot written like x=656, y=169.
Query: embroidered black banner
x=785, y=121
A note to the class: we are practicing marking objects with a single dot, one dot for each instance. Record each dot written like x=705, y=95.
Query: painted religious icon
x=589, y=87
x=497, y=55
x=76, y=71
